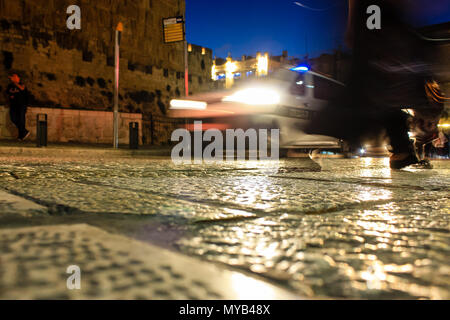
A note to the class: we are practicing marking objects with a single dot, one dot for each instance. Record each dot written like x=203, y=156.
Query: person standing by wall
x=18, y=102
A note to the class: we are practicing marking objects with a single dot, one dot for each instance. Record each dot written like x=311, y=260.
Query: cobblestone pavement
x=35, y=260
x=355, y=229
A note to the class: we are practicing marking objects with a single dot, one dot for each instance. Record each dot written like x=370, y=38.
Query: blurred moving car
x=287, y=100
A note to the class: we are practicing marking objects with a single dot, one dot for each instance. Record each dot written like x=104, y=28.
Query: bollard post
x=134, y=135
x=41, y=128
x=152, y=129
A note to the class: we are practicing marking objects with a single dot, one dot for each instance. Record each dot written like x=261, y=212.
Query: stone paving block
x=91, y=198
x=228, y=191
x=354, y=230
x=11, y=205
x=395, y=250
x=376, y=172
x=267, y=195
x=33, y=264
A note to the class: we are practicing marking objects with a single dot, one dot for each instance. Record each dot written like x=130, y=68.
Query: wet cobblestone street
x=354, y=229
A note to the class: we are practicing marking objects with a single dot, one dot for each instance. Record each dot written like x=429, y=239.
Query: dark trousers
x=395, y=122
x=17, y=114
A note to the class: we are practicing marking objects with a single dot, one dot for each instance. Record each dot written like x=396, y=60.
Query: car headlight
x=254, y=96
x=188, y=104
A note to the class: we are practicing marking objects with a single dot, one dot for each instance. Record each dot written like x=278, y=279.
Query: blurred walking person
x=389, y=73
x=18, y=102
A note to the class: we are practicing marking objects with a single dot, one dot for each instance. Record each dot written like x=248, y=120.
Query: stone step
x=11, y=205
x=35, y=262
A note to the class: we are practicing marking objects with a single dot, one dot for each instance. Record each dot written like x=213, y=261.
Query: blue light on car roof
x=302, y=68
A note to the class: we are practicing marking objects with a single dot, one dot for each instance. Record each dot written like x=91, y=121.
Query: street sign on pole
x=173, y=29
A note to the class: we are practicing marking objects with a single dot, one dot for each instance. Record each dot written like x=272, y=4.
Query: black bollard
x=134, y=135
x=41, y=126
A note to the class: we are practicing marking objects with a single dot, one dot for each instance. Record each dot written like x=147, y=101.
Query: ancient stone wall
x=75, y=68
x=200, y=67
x=69, y=125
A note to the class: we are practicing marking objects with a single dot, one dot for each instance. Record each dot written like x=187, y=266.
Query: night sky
x=247, y=26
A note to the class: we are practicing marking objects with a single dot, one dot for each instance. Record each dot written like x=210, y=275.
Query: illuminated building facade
x=227, y=72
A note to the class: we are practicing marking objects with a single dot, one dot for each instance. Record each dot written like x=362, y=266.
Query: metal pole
x=186, y=68
x=116, y=85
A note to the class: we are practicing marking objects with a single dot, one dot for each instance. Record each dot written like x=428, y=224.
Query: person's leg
x=21, y=123
x=397, y=129
x=15, y=115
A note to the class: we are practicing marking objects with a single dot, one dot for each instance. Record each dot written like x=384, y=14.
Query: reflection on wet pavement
x=355, y=229
x=385, y=252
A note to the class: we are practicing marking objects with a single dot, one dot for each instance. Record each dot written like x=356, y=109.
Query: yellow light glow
x=188, y=104
x=263, y=64
x=230, y=68
x=444, y=125
x=213, y=71
x=203, y=51
x=189, y=47
x=255, y=96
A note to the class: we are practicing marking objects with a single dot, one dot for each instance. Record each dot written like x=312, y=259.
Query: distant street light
x=230, y=68
x=119, y=31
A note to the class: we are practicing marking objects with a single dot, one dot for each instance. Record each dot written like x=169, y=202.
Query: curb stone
x=34, y=263
x=11, y=205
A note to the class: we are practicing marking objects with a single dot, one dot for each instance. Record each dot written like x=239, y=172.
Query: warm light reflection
x=246, y=288
x=367, y=161
x=375, y=168
x=379, y=223
x=375, y=194
x=375, y=276
x=267, y=251
x=264, y=195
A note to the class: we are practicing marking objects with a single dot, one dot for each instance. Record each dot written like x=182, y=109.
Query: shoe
x=402, y=160
x=423, y=164
x=26, y=135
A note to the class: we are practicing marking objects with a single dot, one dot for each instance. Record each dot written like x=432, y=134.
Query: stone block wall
x=75, y=69
x=68, y=125
x=200, y=67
